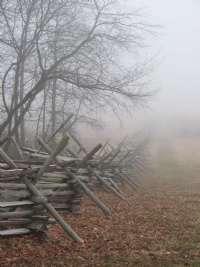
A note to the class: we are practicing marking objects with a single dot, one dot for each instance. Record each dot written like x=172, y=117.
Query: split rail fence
x=39, y=185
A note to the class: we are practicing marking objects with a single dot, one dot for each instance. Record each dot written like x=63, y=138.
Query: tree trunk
x=16, y=99
x=21, y=95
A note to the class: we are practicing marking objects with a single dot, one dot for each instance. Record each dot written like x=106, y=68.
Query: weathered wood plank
x=19, y=231
x=63, y=143
x=61, y=158
x=88, y=192
x=15, y=203
x=33, y=189
x=21, y=221
x=16, y=214
x=67, y=228
x=18, y=186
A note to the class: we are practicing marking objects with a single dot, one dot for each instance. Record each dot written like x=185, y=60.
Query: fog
x=99, y=132
x=177, y=75
x=173, y=52
x=176, y=63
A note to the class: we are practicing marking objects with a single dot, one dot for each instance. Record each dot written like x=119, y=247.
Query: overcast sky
x=178, y=44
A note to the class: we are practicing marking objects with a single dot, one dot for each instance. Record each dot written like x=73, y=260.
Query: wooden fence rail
x=41, y=184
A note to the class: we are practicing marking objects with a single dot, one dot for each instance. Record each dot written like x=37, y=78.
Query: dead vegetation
x=160, y=229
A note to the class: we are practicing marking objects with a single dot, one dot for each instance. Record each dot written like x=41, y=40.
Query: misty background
x=175, y=109
x=178, y=72
x=174, y=51
x=177, y=75
x=172, y=114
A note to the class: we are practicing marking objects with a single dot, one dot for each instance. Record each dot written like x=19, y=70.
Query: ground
x=160, y=227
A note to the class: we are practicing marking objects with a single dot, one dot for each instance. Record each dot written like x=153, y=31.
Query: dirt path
x=159, y=228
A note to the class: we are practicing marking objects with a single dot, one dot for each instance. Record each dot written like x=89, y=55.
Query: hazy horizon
x=177, y=74
x=175, y=77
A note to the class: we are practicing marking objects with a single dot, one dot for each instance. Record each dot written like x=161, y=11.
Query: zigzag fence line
x=39, y=186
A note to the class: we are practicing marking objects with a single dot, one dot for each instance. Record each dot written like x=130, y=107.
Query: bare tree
x=73, y=46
